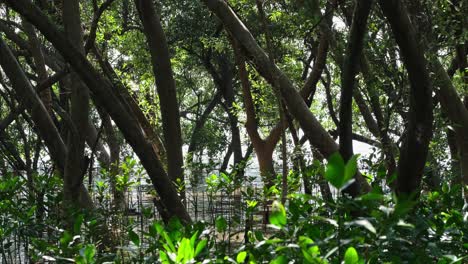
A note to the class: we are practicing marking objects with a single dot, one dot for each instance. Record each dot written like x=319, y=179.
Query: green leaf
x=184, y=252
x=351, y=256
x=278, y=215
x=374, y=195
x=160, y=229
x=221, y=224
x=241, y=257
x=163, y=257
x=77, y=225
x=279, y=260
x=200, y=246
x=169, y=243
x=309, y=249
x=134, y=237
x=89, y=253
x=335, y=170
x=152, y=230
x=350, y=168
x=66, y=239
x=259, y=235
x=193, y=239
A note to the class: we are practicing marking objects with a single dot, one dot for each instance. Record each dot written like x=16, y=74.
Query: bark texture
x=348, y=77
x=415, y=146
x=166, y=88
x=348, y=82
x=75, y=166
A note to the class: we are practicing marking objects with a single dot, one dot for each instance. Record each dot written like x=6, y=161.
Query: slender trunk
x=114, y=149
x=454, y=156
x=132, y=106
x=196, y=138
x=284, y=157
x=457, y=113
x=298, y=157
x=94, y=142
x=224, y=83
x=265, y=162
x=415, y=147
x=200, y=123
x=166, y=88
x=229, y=97
x=263, y=150
x=348, y=82
x=226, y=159
x=39, y=62
x=382, y=129
x=377, y=128
x=75, y=163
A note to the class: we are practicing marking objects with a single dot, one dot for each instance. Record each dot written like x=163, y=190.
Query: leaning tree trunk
x=263, y=148
x=457, y=114
x=415, y=147
x=39, y=62
x=348, y=82
x=166, y=88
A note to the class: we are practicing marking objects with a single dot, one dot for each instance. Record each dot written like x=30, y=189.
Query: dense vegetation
x=240, y=131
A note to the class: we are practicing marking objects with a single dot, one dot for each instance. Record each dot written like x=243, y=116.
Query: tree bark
x=263, y=149
x=458, y=115
x=348, y=76
x=414, y=150
x=200, y=123
x=75, y=166
x=114, y=147
x=229, y=98
x=348, y=80
x=132, y=107
x=39, y=62
x=223, y=81
x=166, y=88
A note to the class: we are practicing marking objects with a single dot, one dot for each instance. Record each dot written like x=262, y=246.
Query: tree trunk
x=114, y=147
x=458, y=115
x=166, y=88
x=263, y=148
x=224, y=83
x=265, y=162
x=348, y=76
x=75, y=163
x=227, y=89
x=323, y=184
x=348, y=80
x=39, y=62
x=414, y=150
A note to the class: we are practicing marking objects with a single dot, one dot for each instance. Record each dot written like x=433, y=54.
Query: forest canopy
x=233, y=131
